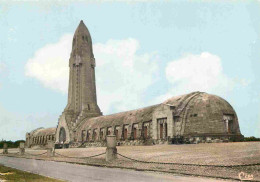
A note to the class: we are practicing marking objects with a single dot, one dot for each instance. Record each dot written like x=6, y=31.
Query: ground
x=10, y=174
x=211, y=154
x=84, y=173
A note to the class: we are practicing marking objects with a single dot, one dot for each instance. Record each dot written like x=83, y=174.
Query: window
x=83, y=135
x=166, y=134
x=135, y=133
x=161, y=131
x=88, y=135
x=95, y=135
x=162, y=128
x=117, y=134
x=116, y=131
x=172, y=107
x=229, y=122
x=125, y=133
x=101, y=135
x=146, y=128
x=75, y=137
x=145, y=132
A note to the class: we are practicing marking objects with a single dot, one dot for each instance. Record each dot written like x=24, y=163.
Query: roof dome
x=203, y=113
x=207, y=103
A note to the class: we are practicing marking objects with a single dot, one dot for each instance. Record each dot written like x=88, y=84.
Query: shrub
x=252, y=138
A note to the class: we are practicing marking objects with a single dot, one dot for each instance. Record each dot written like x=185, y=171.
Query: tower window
x=82, y=37
x=88, y=107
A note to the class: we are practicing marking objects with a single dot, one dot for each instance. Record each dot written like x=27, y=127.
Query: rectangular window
x=117, y=137
x=229, y=122
x=88, y=135
x=83, y=135
x=94, y=135
x=166, y=134
x=135, y=133
x=101, y=135
x=161, y=131
x=162, y=128
x=146, y=132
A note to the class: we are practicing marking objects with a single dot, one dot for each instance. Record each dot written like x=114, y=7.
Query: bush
x=10, y=143
x=252, y=138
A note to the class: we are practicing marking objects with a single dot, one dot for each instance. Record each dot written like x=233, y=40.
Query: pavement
x=78, y=173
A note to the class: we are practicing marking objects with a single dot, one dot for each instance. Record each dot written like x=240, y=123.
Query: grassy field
x=10, y=174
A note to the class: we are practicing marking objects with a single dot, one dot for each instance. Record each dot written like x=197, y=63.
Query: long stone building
x=192, y=118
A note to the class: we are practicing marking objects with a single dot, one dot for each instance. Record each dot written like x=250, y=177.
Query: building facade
x=192, y=118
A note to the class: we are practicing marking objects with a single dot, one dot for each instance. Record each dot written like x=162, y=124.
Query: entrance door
x=62, y=135
x=161, y=131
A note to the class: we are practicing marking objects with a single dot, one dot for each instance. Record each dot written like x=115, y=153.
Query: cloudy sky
x=145, y=52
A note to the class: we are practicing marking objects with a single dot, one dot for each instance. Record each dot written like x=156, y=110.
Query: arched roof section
x=44, y=132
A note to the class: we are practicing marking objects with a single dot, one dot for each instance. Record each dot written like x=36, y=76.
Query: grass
x=10, y=174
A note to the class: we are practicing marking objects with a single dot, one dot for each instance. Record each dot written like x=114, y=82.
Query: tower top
x=82, y=40
x=81, y=30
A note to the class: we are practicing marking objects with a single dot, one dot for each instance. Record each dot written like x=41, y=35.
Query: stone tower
x=82, y=98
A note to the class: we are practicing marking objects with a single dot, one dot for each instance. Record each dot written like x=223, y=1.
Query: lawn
x=10, y=174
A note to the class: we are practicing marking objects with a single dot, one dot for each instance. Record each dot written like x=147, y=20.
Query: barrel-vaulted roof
x=128, y=117
x=194, y=100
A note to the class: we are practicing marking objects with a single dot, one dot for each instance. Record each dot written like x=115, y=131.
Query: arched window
x=83, y=135
x=62, y=135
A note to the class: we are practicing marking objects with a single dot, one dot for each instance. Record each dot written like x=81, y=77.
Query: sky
x=145, y=51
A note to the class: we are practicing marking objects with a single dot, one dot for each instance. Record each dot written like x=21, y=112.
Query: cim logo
x=245, y=177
